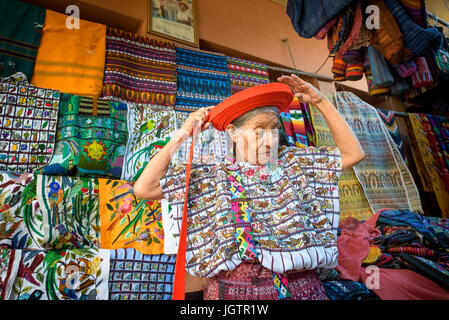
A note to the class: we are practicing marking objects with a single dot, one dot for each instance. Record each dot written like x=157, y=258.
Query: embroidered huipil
x=295, y=211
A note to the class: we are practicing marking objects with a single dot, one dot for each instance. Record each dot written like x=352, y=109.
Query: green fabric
x=20, y=36
x=89, y=142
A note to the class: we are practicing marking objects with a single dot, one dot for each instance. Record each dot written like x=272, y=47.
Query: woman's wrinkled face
x=257, y=141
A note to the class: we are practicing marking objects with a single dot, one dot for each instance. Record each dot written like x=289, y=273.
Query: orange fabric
x=127, y=221
x=71, y=60
x=270, y=94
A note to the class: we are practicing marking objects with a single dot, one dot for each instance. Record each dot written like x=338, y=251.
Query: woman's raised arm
x=350, y=149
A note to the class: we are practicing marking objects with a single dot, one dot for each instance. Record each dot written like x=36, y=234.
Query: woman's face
x=257, y=141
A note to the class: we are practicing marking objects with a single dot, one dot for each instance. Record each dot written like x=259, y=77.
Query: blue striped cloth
x=382, y=76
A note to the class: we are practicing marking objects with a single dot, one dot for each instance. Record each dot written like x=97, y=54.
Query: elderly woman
x=260, y=224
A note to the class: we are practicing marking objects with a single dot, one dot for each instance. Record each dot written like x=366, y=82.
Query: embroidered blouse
x=295, y=211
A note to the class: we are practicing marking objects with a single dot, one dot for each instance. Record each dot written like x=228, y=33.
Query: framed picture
x=174, y=19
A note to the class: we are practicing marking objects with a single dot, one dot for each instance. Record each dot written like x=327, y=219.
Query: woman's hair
x=240, y=121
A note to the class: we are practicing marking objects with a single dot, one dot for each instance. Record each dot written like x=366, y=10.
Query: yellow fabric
x=127, y=221
x=434, y=179
x=353, y=202
x=373, y=254
x=71, y=60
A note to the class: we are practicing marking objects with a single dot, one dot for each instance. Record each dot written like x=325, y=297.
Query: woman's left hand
x=305, y=92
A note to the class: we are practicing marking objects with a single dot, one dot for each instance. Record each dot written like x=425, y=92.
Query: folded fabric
x=422, y=77
x=20, y=36
x=28, y=118
x=388, y=39
x=380, y=70
x=203, y=79
x=71, y=60
x=418, y=40
x=149, y=130
x=354, y=72
x=406, y=69
x=308, y=17
x=137, y=276
x=139, y=69
x=246, y=74
x=129, y=222
x=62, y=275
x=92, y=137
x=323, y=31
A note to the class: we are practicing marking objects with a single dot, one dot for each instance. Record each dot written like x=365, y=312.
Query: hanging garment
x=406, y=69
x=9, y=266
x=423, y=155
x=422, y=77
x=69, y=209
x=139, y=70
x=20, y=37
x=321, y=34
x=92, y=137
x=419, y=41
x=380, y=70
x=21, y=218
x=246, y=74
x=149, y=130
x=354, y=72
x=137, y=276
x=62, y=275
x=203, y=79
x=298, y=122
x=389, y=120
x=353, y=202
x=339, y=69
x=251, y=281
x=308, y=17
x=339, y=32
x=71, y=60
x=385, y=178
x=400, y=86
x=28, y=118
x=354, y=56
x=274, y=193
x=388, y=39
x=356, y=24
x=416, y=9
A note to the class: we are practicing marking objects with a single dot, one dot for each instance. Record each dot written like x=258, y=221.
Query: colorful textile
x=339, y=69
x=28, y=126
x=356, y=24
x=71, y=60
x=354, y=72
x=337, y=33
x=18, y=78
x=353, y=56
x=20, y=36
x=384, y=177
x=251, y=281
x=70, y=212
x=382, y=76
x=92, y=137
x=429, y=269
x=418, y=40
x=372, y=88
x=299, y=123
x=348, y=290
x=425, y=252
x=137, y=276
x=417, y=11
x=149, y=130
x=9, y=262
x=406, y=69
x=246, y=74
x=287, y=125
x=20, y=215
x=353, y=202
x=399, y=86
x=304, y=239
x=422, y=77
x=308, y=17
x=203, y=79
x=129, y=222
x=423, y=154
x=321, y=34
x=389, y=120
x=62, y=275
x=139, y=70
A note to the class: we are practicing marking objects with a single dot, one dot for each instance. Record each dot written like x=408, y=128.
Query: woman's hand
x=200, y=116
x=305, y=92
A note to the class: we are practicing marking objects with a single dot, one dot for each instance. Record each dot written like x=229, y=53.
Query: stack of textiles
x=203, y=79
x=245, y=74
x=139, y=70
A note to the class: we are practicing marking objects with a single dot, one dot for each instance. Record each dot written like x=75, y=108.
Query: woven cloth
x=28, y=118
x=385, y=178
x=203, y=79
x=91, y=139
x=353, y=202
x=425, y=158
x=137, y=276
x=139, y=70
x=71, y=60
x=9, y=266
x=389, y=120
x=298, y=122
x=20, y=36
x=380, y=70
x=246, y=74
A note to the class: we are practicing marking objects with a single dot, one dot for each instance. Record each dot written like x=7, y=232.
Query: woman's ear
x=231, y=129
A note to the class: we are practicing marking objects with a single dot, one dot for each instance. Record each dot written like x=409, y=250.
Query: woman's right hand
x=200, y=116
